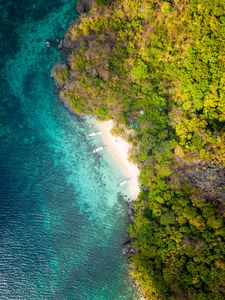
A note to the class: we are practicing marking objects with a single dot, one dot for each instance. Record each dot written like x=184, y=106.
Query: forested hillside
x=158, y=68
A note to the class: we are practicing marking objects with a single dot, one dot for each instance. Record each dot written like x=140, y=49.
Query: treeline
x=158, y=67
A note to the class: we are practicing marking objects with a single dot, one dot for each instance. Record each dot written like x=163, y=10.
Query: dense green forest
x=157, y=67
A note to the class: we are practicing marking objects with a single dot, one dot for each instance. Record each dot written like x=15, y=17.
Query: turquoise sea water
x=61, y=221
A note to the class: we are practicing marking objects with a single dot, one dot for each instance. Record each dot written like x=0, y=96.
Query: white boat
x=95, y=133
x=98, y=149
x=123, y=182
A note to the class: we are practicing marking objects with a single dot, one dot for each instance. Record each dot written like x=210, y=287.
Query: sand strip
x=120, y=148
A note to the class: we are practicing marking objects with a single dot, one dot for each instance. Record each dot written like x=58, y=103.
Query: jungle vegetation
x=157, y=67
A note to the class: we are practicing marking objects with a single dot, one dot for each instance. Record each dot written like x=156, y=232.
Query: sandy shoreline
x=119, y=148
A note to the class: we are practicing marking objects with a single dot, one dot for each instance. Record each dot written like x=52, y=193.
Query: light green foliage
x=139, y=71
x=157, y=67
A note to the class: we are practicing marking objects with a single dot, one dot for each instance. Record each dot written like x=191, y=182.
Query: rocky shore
x=83, y=6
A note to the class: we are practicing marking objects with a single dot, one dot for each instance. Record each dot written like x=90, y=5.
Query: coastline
x=119, y=149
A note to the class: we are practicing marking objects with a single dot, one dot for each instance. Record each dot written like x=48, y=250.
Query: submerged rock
x=59, y=43
x=47, y=44
x=128, y=249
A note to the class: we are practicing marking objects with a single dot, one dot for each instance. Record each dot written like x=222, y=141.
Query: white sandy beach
x=120, y=148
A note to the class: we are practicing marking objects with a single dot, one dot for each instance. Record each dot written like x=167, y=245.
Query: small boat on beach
x=123, y=182
x=95, y=133
x=98, y=149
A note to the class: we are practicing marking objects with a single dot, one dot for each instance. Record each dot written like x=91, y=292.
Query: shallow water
x=61, y=221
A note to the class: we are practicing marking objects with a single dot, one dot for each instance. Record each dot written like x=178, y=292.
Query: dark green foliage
x=157, y=67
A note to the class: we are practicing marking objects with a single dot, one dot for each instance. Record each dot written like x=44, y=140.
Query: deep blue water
x=61, y=221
